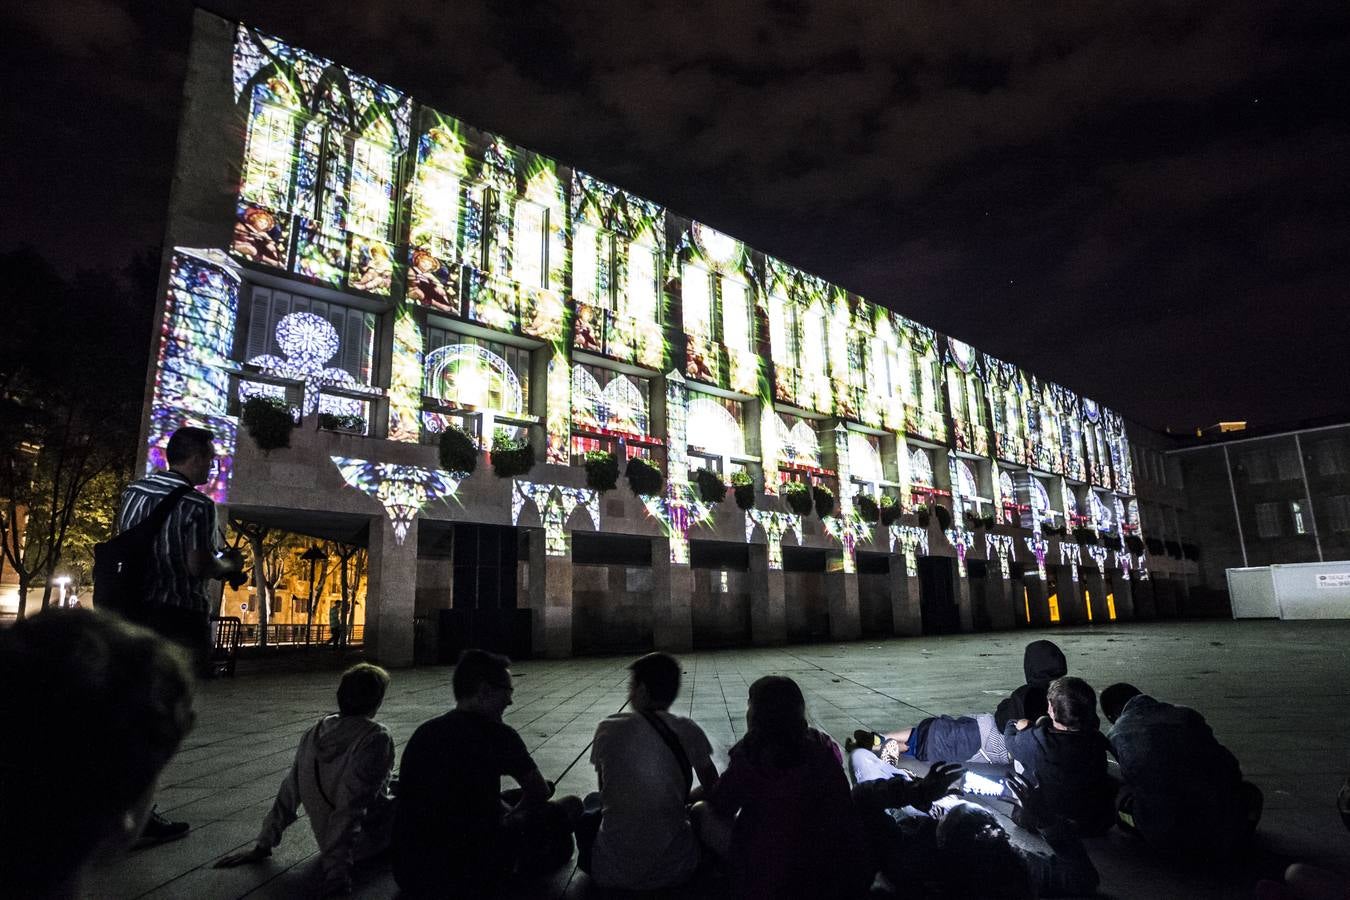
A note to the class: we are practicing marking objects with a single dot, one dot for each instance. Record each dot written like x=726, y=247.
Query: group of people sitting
x=95, y=707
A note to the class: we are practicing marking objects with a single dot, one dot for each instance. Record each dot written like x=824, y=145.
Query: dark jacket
x=1042, y=663
x=1070, y=768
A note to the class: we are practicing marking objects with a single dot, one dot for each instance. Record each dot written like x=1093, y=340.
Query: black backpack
x=122, y=564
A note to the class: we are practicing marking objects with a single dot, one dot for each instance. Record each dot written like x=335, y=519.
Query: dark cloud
x=1146, y=201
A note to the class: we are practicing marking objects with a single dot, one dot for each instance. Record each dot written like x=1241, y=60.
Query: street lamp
x=313, y=556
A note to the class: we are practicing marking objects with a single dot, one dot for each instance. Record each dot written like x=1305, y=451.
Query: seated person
x=636, y=834
x=795, y=831
x=977, y=738
x=927, y=843
x=453, y=833
x=93, y=708
x=1183, y=791
x=1064, y=755
x=341, y=775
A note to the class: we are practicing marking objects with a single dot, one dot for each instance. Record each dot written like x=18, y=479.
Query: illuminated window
x=715, y=425
x=470, y=371
x=797, y=443
x=1296, y=511
x=811, y=358
x=355, y=330
x=920, y=467
x=530, y=256
x=1268, y=520
x=696, y=293
x=782, y=331
x=605, y=402
x=641, y=289
x=1040, y=498
x=270, y=157
x=372, y=188
x=735, y=314
x=864, y=461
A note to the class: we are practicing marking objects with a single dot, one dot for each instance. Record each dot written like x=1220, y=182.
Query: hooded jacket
x=341, y=775
x=1070, y=769
x=1042, y=663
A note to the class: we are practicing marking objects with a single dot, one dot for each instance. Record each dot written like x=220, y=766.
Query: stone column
x=672, y=601
x=550, y=597
x=1094, y=597
x=1071, y=608
x=768, y=599
x=906, y=611
x=1036, y=599
x=841, y=589
x=964, y=606
x=1124, y=594
x=391, y=593
x=998, y=597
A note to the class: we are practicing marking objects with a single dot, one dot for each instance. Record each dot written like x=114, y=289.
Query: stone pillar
x=391, y=593
x=672, y=601
x=841, y=589
x=1124, y=594
x=1071, y=608
x=550, y=597
x=768, y=599
x=961, y=591
x=906, y=611
x=998, y=596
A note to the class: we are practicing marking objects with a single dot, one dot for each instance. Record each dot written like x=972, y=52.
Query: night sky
x=1146, y=202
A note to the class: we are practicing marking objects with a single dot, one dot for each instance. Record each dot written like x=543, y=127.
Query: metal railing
x=289, y=635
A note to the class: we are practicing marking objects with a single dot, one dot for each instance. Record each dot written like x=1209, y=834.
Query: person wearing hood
x=342, y=776
x=1042, y=663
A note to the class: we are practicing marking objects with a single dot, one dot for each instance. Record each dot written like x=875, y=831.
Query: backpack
x=122, y=564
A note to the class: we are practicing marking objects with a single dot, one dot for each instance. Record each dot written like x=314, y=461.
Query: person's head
x=190, y=452
x=1043, y=662
x=978, y=857
x=1115, y=697
x=361, y=690
x=92, y=709
x=1072, y=703
x=776, y=721
x=482, y=683
x=655, y=681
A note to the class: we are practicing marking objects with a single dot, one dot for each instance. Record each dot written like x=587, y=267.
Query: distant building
x=391, y=275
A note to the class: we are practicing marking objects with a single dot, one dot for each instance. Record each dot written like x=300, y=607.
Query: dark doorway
x=937, y=595
x=485, y=566
x=977, y=571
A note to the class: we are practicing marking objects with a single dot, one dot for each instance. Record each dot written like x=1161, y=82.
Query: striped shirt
x=191, y=525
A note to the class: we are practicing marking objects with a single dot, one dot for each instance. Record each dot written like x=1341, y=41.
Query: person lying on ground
x=1065, y=755
x=1184, y=792
x=453, y=833
x=781, y=814
x=636, y=833
x=92, y=709
x=341, y=775
x=925, y=839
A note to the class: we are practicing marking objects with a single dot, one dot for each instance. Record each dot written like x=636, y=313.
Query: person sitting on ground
x=636, y=834
x=341, y=775
x=1183, y=792
x=1064, y=755
x=781, y=814
x=975, y=738
x=927, y=842
x=93, y=707
x=453, y=832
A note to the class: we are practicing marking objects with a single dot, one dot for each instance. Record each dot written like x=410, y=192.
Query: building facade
x=397, y=279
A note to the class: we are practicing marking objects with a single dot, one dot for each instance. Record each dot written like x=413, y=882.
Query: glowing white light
x=718, y=247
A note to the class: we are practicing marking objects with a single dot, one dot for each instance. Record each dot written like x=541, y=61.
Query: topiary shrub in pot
x=268, y=421
x=866, y=507
x=711, y=487
x=972, y=521
x=602, y=470
x=458, y=451
x=923, y=515
x=824, y=498
x=644, y=478
x=797, y=496
x=743, y=488
x=890, y=511
x=511, y=457
x=943, y=515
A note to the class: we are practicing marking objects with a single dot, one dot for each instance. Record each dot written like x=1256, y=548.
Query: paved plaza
x=1275, y=693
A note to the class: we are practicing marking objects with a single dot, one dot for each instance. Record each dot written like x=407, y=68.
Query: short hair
x=979, y=856
x=1074, y=703
x=477, y=668
x=93, y=709
x=361, y=690
x=659, y=673
x=185, y=443
x=1115, y=697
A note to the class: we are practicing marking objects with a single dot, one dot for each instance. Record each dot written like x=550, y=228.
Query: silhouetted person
x=1184, y=791
x=795, y=832
x=1064, y=756
x=1042, y=663
x=91, y=708
x=453, y=833
x=637, y=834
x=341, y=775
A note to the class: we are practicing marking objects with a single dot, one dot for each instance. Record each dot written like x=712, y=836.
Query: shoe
x=866, y=740
x=159, y=830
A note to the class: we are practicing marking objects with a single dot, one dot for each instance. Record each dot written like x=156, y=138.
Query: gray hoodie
x=341, y=775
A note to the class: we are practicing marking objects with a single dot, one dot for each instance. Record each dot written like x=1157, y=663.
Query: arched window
x=1040, y=499
x=798, y=445
x=712, y=427
x=969, y=484
x=1006, y=490
x=920, y=467
x=863, y=459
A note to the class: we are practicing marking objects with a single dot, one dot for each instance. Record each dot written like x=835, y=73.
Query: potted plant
x=458, y=451
x=824, y=499
x=1084, y=535
x=711, y=487
x=602, y=470
x=972, y=521
x=797, y=496
x=867, y=508
x=336, y=422
x=268, y=421
x=923, y=514
x=511, y=456
x=890, y=511
x=944, y=516
x=644, y=478
x=743, y=488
